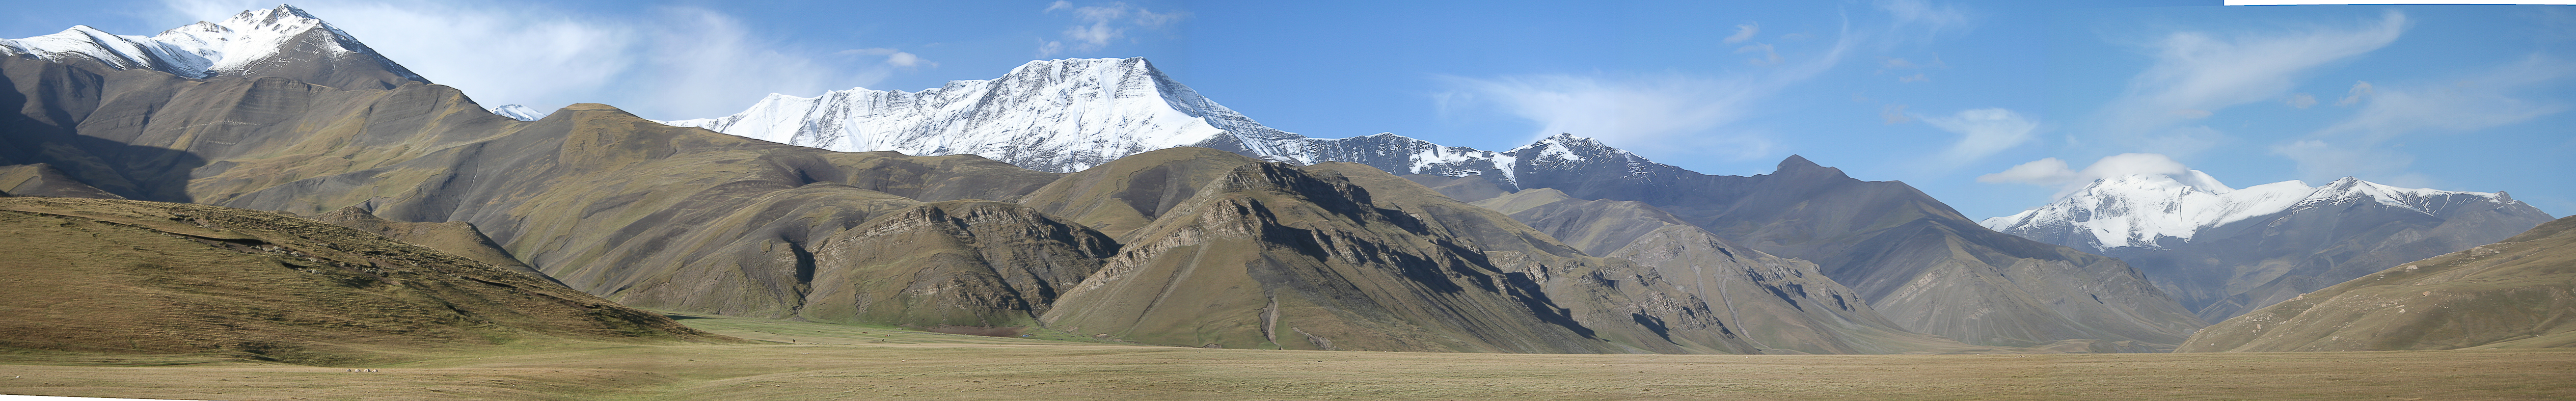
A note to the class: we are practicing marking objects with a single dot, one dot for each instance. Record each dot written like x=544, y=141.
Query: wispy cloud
x=1744, y=32
x=1674, y=109
x=700, y=62
x=1626, y=110
x=1982, y=132
x=2052, y=172
x=1101, y=24
x=2197, y=74
x=2356, y=145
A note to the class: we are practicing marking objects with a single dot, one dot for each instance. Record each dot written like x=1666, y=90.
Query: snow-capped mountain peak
x=245, y=44
x=2147, y=210
x=1058, y=115
x=518, y=112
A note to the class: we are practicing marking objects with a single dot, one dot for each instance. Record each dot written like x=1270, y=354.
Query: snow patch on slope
x=518, y=112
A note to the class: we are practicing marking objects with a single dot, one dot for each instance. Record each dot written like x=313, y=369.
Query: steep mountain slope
x=120, y=276
x=1779, y=303
x=1270, y=255
x=279, y=42
x=2517, y=293
x=2224, y=251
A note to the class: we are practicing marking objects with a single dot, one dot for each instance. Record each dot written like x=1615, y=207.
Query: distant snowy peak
x=1070, y=114
x=518, y=112
x=2148, y=210
x=244, y=44
x=1053, y=115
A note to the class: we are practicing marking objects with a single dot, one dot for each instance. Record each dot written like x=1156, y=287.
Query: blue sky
x=1993, y=107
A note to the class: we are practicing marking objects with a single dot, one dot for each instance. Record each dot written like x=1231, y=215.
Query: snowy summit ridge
x=248, y=43
x=1052, y=115
x=2150, y=210
x=1066, y=115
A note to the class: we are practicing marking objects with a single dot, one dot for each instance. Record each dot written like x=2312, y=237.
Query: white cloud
x=2359, y=90
x=2356, y=145
x=2197, y=73
x=670, y=63
x=1101, y=24
x=2052, y=172
x=1632, y=111
x=1982, y=132
x=1744, y=32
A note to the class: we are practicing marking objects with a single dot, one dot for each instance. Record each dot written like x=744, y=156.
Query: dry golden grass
x=831, y=362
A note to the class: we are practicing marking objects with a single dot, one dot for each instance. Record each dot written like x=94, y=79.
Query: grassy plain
x=834, y=362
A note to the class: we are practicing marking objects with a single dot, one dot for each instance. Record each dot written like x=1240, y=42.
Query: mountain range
x=2224, y=251
x=1102, y=109
x=1092, y=197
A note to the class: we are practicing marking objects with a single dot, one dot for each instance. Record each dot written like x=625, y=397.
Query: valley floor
x=829, y=362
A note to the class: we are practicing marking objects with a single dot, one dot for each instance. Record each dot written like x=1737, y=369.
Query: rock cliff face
x=2517, y=293
x=2224, y=251
x=149, y=277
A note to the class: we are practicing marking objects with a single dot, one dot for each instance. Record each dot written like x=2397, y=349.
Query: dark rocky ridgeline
x=2517, y=293
x=1779, y=303
x=1918, y=262
x=119, y=276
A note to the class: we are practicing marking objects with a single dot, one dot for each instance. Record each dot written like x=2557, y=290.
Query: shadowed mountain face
x=149, y=277
x=1918, y=262
x=43, y=180
x=2518, y=293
